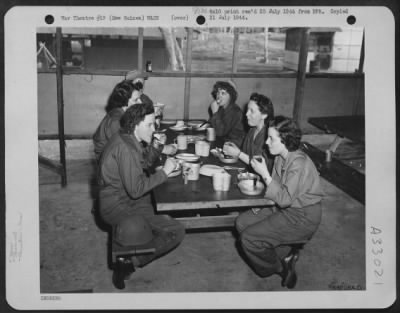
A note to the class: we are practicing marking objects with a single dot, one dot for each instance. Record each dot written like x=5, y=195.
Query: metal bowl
x=248, y=187
x=247, y=176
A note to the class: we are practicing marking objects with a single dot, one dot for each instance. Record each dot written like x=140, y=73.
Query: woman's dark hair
x=134, y=115
x=288, y=130
x=121, y=94
x=264, y=105
x=225, y=86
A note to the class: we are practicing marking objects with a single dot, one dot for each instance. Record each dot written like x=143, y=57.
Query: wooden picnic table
x=336, y=171
x=196, y=203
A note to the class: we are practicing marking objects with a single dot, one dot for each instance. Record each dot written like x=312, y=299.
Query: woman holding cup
x=294, y=186
x=226, y=115
x=259, y=112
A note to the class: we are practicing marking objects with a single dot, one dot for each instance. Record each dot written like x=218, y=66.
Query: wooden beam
x=50, y=164
x=301, y=75
x=360, y=83
x=66, y=136
x=209, y=204
x=270, y=74
x=186, y=99
x=200, y=222
x=60, y=105
x=235, y=49
x=140, y=50
x=362, y=55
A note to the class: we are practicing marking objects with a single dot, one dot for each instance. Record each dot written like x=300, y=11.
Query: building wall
x=85, y=97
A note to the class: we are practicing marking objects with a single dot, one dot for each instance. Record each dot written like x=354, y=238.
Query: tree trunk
x=178, y=52
x=170, y=47
x=266, y=45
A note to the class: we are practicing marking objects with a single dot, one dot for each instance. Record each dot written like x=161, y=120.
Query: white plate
x=173, y=174
x=168, y=122
x=246, y=187
x=194, y=138
x=227, y=161
x=178, y=129
x=210, y=169
x=202, y=128
x=190, y=157
x=195, y=123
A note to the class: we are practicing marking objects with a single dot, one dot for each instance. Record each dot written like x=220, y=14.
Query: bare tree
x=175, y=56
x=266, y=45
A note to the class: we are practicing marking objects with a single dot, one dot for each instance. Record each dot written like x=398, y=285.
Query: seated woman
x=259, y=112
x=125, y=199
x=226, y=116
x=294, y=186
x=124, y=95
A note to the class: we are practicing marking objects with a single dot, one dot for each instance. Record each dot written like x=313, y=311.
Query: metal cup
x=221, y=181
x=181, y=140
x=210, y=134
x=191, y=170
x=328, y=155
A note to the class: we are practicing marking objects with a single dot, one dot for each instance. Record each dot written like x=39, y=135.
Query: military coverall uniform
x=106, y=129
x=255, y=146
x=228, y=124
x=125, y=191
x=296, y=191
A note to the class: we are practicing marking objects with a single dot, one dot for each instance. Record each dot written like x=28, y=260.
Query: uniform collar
x=132, y=142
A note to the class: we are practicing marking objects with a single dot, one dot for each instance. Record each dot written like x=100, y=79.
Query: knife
x=233, y=168
x=202, y=124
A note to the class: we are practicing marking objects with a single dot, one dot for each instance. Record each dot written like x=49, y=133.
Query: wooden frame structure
x=300, y=76
x=61, y=167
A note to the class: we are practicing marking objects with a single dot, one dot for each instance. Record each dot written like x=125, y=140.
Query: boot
x=122, y=271
x=288, y=273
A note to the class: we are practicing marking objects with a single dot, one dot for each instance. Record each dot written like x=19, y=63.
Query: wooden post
x=360, y=81
x=301, y=75
x=361, y=63
x=60, y=106
x=235, y=49
x=187, y=77
x=140, y=50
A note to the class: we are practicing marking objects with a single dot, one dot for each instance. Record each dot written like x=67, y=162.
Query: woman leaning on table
x=294, y=186
x=260, y=111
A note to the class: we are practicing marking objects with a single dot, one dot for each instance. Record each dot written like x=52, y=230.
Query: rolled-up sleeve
x=284, y=194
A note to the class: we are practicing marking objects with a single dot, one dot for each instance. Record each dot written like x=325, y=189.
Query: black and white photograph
x=199, y=157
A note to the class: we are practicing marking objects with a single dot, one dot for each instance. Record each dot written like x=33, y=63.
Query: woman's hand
x=214, y=106
x=161, y=137
x=170, y=149
x=231, y=149
x=170, y=165
x=259, y=165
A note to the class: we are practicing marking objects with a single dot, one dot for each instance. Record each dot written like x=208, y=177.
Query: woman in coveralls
x=294, y=186
x=126, y=185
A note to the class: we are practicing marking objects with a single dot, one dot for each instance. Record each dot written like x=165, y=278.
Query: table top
x=351, y=126
x=175, y=195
